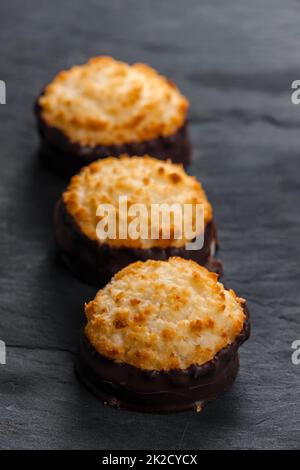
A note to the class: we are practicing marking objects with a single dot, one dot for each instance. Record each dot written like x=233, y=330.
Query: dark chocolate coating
x=126, y=386
x=67, y=157
x=96, y=263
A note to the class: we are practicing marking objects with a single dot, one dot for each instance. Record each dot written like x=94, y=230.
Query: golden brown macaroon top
x=161, y=315
x=108, y=102
x=142, y=180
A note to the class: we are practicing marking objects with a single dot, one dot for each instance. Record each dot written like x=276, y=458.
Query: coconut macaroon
x=120, y=210
x=107, y=107
x=162, y=336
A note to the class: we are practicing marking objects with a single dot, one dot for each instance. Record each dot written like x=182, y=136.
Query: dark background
x=235, y=60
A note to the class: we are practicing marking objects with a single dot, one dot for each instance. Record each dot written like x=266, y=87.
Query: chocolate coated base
x=67, y=157
x=126, y=386
x=95, y=263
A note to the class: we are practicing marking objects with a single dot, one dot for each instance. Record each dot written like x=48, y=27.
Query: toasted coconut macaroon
x=107, y=107
x=162, y=336
x=120, y=210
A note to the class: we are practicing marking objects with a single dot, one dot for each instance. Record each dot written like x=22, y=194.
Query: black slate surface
x=235, y=60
